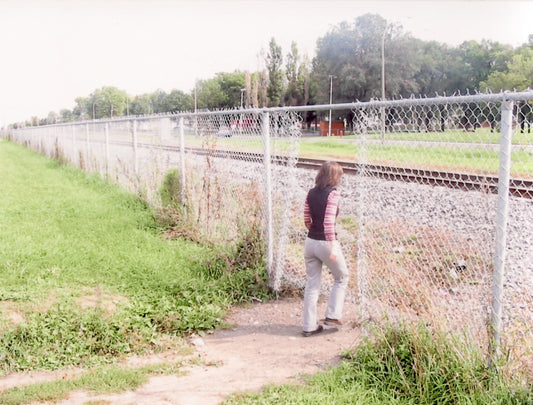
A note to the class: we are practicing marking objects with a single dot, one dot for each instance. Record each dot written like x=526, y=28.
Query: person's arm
x=307, y=215
x=330, y=218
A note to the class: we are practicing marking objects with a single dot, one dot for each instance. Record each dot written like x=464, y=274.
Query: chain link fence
x=436, y=213
x=435, y=249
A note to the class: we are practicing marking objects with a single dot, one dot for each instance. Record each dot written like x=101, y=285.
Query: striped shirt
x=320, y=213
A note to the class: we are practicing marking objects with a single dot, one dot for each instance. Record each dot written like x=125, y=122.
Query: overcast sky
x=54, y=51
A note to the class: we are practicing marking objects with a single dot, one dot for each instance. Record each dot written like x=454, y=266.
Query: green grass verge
x=446, y=150
x=471, y=160
x=401, y=365
x=101, y=380
x=88, y=277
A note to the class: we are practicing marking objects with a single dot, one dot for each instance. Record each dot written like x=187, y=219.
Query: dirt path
x=265, y=346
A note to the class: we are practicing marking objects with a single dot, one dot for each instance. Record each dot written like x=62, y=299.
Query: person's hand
x=334, y=252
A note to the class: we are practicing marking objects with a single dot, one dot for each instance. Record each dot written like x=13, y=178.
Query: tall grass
x=87, y=275
x=402, y=365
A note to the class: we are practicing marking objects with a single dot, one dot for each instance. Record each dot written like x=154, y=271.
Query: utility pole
x=383, y=81
x=330, y=100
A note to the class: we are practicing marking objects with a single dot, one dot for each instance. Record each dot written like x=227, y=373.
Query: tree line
x=348, y=65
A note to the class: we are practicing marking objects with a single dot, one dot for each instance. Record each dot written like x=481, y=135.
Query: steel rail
x=464, y=181
x=457, y=180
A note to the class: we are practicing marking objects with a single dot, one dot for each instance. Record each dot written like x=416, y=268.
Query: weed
x=58, y=153
x=422, y=366
x=239, y=245
x=402, y=364
x=171, y=189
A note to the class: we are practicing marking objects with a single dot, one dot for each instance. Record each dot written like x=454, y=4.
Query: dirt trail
x=264, y=346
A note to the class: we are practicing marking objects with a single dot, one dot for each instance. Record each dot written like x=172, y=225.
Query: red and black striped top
x=320, y=213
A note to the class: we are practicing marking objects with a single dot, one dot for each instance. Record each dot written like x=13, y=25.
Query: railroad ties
x=463, y=181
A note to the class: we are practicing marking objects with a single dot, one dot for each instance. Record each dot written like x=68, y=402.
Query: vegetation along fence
x=436, y=215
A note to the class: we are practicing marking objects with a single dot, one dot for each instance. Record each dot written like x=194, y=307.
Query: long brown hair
x=329, y=175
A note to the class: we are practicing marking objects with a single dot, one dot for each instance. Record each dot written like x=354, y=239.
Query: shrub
x=419, y=366
x=171, y=189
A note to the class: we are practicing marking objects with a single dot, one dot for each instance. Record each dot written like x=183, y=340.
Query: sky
x=53, y=51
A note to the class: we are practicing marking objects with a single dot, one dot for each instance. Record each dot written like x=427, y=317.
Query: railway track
x=464, y=181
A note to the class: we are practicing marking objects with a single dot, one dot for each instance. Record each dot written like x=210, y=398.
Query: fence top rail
x=438, y=100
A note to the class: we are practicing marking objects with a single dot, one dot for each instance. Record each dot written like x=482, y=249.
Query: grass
x=401, y=365
x=480, y=135
x=472, y=160
x=87, y=276
x=436, y=155
x=100, y=380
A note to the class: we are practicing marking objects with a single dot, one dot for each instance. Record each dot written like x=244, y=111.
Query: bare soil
x=263, y=346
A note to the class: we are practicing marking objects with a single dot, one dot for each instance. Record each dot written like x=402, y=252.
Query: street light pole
x=330, y=101
x=383, y=64
x=383, y=81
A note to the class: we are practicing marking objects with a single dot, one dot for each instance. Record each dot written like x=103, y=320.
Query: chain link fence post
x=106, y=131
x=502, y=215
x=363, y=194
x=135, y=155
x=87, y=141
x=268, y=193
x=73, y=157
x=182, y=160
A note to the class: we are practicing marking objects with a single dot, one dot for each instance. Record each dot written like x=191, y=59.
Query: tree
x=232, y=84
x=177, y=101
x=209, y=94
x=67, y=115
x=52, y=118
x=518, y=76
x=402, y=63
x=107, y=102
x=254, y=90
x=263, y=88
x=352, y=53
x=274, y=64
x=222, y=91
x=293, y=93
x=141, y=105
x=81, y=108
x=156, y=101
x=471, y=63
x=304, y=79
x=248, y=87
x=297, y=72
x=432, y=74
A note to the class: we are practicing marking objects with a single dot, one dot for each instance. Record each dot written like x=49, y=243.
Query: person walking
x=322, y=247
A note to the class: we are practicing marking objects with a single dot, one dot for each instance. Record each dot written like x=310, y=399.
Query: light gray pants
x=316, y=254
